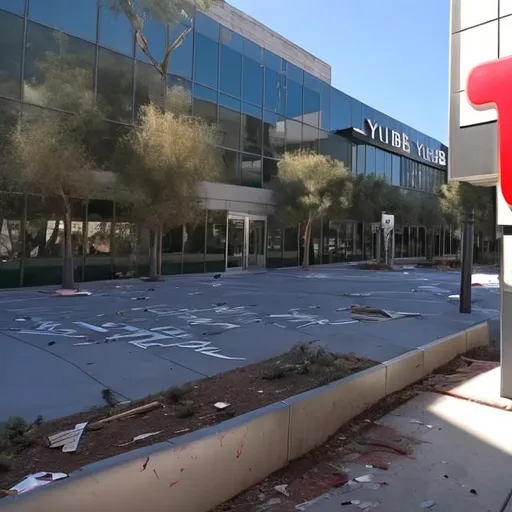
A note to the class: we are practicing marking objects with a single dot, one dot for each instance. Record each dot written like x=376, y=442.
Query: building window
x=15, y=6
x=116, y=31
x=206, y=61
x=273, y=134
x=252, y=88
x=77, y=18
x=230, y=127
x=294, y=108
x=205, y=104
x=251, y=171
x=293, y=135
x=252, y=129
x=370, y=160
x=11, y=40
x=58, y=68
x=230, y=71
x=180, y=62
x=275, y=92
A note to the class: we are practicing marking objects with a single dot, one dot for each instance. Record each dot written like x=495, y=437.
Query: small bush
x=109, y=397
x=187, y=410
x=13, y=433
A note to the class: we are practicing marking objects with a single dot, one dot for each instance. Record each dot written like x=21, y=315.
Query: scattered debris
x=37, y=480
x=355, y=295
x=282, y=489
x=85, y=343
x=195, y=293
x=365, y=478
x=68, y=439
x=140, y=298
x=23, y=319
x=182, y=431
x=377, y=465
x=378, y=314
x=140, y=437
x=217, y=276
x=109, y=397
x=368, y=505
x=221, y=405
x=418, y=422
x=132, y=412
x=351, y=502
x=473, y=491
x=428, y=504
x=51, y=343
x=71, y=293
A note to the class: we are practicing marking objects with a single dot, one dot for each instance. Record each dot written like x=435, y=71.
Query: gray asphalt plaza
x=57, y=354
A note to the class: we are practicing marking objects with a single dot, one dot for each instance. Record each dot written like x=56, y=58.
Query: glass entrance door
x=236, y=243
x=256, y=244
x=246, y=242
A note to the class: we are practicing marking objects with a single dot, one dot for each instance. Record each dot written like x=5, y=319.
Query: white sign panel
x=387, y=222
x=503, y=211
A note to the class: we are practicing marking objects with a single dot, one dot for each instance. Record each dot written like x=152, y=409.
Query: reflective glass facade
x=263, y=105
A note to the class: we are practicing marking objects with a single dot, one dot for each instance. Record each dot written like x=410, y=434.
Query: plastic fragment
x=428, y=504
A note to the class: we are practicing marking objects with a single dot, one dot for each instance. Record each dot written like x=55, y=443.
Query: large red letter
x=491, y=83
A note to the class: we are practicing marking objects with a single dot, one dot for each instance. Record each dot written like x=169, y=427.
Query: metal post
x=467, y=263
x=506, y=317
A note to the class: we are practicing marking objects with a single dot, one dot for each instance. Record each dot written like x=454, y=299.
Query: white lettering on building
x=401, y=141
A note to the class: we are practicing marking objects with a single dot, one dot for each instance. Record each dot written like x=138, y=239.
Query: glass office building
x=267, y=96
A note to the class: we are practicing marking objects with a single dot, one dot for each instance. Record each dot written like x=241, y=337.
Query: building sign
x=402, y=142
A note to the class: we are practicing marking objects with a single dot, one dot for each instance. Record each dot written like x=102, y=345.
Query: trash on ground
x=428, y=504
x=473, y=491
x=132, y=412
x=377, y=465
x=368, y=505
x=217, y=276
x=37, y=480
x=221, y=405
x=356, y=294
x=182, y=431
x=351, y=502
x=140, y=437
x=282, y=489
x=22, y=319
x=68, y=439
x=195, y=293
x=378, y=314
x=140, y=298
x=71, y=293
x=85, y=343
x=365, y=478
x=418, y=422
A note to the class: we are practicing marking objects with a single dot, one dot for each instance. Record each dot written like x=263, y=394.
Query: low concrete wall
x=198, y=471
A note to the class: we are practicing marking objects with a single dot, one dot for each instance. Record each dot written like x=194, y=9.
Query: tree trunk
x=68, y=278
x=307, y=242
x=153, y=259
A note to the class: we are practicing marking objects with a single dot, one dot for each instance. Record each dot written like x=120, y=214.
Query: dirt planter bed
x=197, y=471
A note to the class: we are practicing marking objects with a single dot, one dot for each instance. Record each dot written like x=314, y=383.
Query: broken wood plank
x=132, y=412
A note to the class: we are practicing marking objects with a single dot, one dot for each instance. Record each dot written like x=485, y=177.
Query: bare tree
x=168, y=12
x=308, y=186
x=161, y=163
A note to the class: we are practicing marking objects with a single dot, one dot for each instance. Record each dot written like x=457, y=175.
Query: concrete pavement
x=57, y=353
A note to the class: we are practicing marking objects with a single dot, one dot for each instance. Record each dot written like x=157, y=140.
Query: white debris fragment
x=221, y=405
x=365, y=478
x=282, y=489
x=418, y=422
x=37, y=480
x=428, y=504
x=68, y=439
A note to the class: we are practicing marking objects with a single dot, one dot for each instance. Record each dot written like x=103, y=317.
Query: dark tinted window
x=340, y=110
x=229, y=102
x=252, y=89
x=370, y=160
x=294, y=100
x=16, y=6
x=379, y=162
x=229, y=126
x=115, y=31
x=293, y=135
x=252, y=129
x=206, y=62
x=270, y=168
x=311, y=107
x=115, y=85
x=232, y=163
x=251, y=171
x=9, y=112
x=205, y=103
x=230, y=71
x=11, y=40
x=361, y=160
x=181, y=58
x=388, y=171
x=395, y=166
x=325, y=107
x=272, y=61
x=58, y=68
x=273, y=134
x=77, y=17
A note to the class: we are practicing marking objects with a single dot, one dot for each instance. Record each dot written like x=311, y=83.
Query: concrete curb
x=200, y=470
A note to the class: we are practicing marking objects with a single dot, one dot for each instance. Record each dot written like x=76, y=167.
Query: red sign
x=491, y=83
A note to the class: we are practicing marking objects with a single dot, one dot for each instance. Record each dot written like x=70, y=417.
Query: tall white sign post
x=388, y=226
